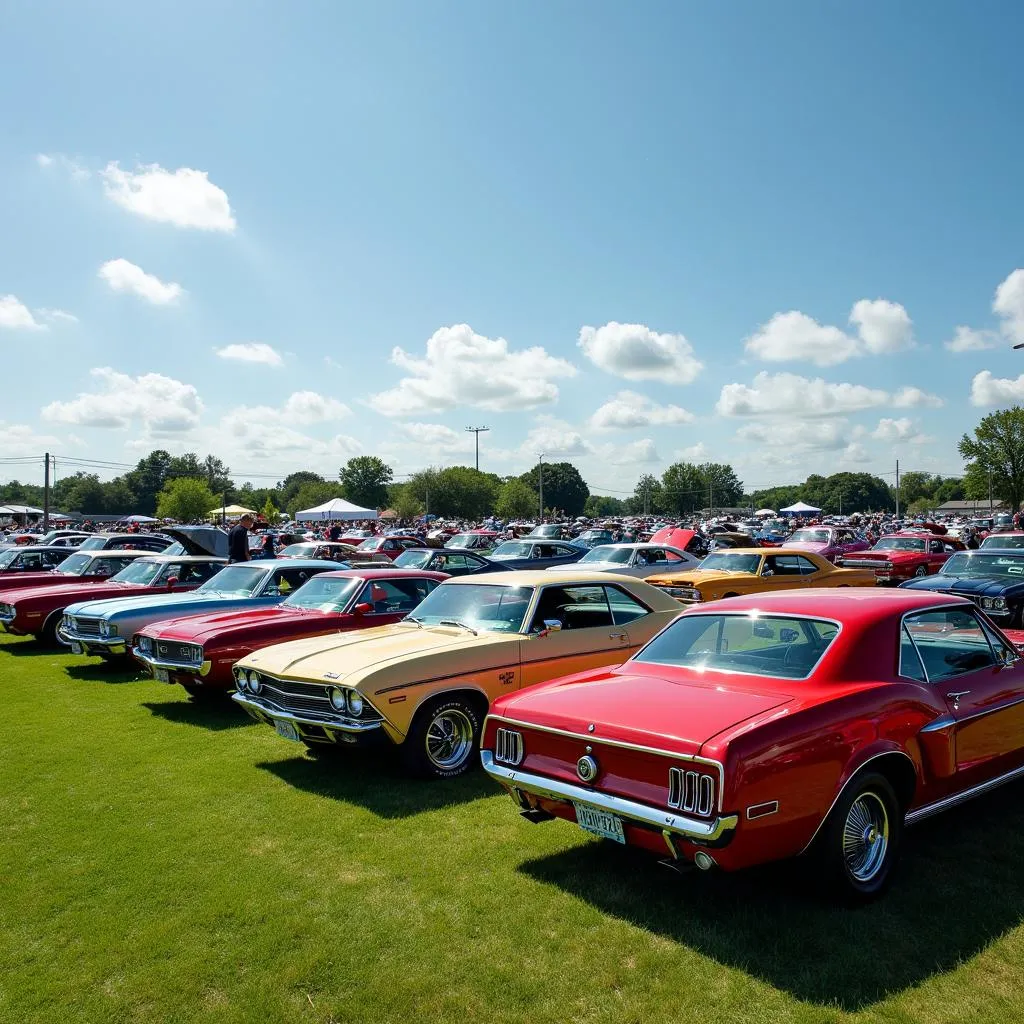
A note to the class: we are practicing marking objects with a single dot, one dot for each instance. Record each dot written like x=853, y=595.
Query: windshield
x=752, y=644
x=723, y=561
x=140, y=571
x=547, y=531
x=810, y=537
x=93, y=544
x=462, y=540
x=480, y=606
x=75, y=565
x=512, y=549
x=596, y=535
x=413, y=559
x=371, y=545
x=1002, y=540
x=298, y=551
x=325, y=593
x=8, y=556
x=237, y=580
x=968, y=564
x=606, y=553
x=900, y=544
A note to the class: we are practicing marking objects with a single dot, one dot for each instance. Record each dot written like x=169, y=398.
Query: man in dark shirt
x=335, y=533
x=238, y=540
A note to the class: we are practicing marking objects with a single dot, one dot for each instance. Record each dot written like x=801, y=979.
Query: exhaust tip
x=704, y=860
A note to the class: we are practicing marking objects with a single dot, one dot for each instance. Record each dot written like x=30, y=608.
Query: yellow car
x=755, y=570
x=425, y=683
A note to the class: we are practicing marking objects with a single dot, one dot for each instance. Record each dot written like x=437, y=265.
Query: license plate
x=599, y=823
x=76, y=648
x=161, y=675
x=287, y=730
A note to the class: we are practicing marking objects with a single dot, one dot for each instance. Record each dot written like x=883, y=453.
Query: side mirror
x=767, y=572
x=1007, y=657
x=788, y=636
x=363, y=608
x=172, y=582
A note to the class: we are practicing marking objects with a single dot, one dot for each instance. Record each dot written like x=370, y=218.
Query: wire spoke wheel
x=865, y=837
x=449, y=739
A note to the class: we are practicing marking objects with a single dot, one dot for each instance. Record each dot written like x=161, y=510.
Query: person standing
x=238, y=540
x=267, y=548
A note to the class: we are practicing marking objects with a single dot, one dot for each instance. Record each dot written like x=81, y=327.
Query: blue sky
x=785, y=236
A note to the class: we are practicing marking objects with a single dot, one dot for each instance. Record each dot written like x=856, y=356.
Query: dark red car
x=199, y=651
x=38, y=610
x=390, y=547
x=84, y=567
x=815, y=723
x=904, y=556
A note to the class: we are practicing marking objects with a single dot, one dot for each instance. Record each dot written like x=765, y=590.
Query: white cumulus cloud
x=632, y=454
x=883, y=326
x=1008, y=305
x=988, y=391
x=556, y=439
x=805, y=435
x=463, y=368
x=693, y=453
x=185, y=198
x=898, y=431
x=628, y=410
x=787, y=394
x=15, y=315
x=635, y=352
x=915, y=398
x=311, y=407
x=967, y=339
x=251, y=352
x=123, y=276
x=159, y=404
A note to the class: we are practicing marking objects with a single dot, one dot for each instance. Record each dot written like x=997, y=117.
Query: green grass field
x=166, y=862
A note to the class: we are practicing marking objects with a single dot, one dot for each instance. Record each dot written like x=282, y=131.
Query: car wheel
x=444, y=738
x=921, y=570
x=859, y=844
x=47, y=636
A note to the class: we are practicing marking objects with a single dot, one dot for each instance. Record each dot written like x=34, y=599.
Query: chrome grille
x=87, y=627
x=178, y=653
x=864, y=563
x=691, y=792
x=307, y=699
x=508, y=746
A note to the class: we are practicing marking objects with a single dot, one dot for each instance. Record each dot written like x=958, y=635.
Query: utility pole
x=897, y=488
x=477, y=431
x=647, y=496
x=46, y=492
x=540, y=481
x=990, y=490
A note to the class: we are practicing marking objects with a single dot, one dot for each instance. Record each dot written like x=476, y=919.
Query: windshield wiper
x=412, y=618
x=456, y=622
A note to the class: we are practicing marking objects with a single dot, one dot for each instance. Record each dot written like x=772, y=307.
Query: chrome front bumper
x=717, y=832
x=107, y=644
x=172, y=666
x=264, y=711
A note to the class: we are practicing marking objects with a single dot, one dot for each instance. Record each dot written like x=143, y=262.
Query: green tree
x=118, y=498
x=564, y=488
x=147, y=479
x=185, y=498
x=598, y=506
x=648, y=497
x=721, y=483
x=404, y=502
x=515, y=500
x=364, y=481
x=683, y=489
x=184, y=465
x=455, y=491
x=217, y=476
x=997, y=450
x=288, y=488
x=271, y=512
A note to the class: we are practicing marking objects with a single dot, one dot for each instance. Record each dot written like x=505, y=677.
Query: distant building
x=973, y=508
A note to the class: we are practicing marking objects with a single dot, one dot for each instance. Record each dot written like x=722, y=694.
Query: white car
x=638, y=560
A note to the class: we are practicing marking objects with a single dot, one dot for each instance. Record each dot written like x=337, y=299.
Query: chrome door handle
x=617, y=636
x=955, y=697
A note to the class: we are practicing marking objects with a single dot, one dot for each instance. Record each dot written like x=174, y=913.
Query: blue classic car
x=99, y=627
x=529, y=553
x=992, y=578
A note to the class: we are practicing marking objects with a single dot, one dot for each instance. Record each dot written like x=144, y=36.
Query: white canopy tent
x=20, y=510
x=336, y=508
x=765, y=512
x=801, y=508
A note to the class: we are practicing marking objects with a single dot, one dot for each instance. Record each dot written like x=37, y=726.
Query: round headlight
x=240, y=680
x=986, y=602
x=999, y=603
x=104, y=627
x=254, y=683
x=337, y=698
x=355, y=703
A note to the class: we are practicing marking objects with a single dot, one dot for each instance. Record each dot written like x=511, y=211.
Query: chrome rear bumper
x=716, y=832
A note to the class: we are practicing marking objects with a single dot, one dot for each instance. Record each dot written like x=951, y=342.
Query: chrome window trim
x=971, y=607
x=924, y=671
x=592, y=738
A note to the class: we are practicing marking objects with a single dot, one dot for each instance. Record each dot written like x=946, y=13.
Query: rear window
x=785, y=647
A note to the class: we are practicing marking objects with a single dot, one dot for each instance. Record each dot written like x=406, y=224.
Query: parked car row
x=759, y=705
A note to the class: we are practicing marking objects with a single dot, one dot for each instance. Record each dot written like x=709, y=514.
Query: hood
x=809, y=545
x=69, y=591
x=199, y=540
x=692, y=578
x=885, y=555
x=168, y=604
x=201, y=628
x=974, y=586
x=358, y=652
x=674, y=537
x=629, y=707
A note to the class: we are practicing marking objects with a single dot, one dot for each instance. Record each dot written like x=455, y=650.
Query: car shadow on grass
x=106, y=672
x=212, y=714
x=375, y=780
x=957, y=889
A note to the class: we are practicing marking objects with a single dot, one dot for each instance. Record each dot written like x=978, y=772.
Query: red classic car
x=79, y=567
x=38, y=610
x=32, y=558
x=765, y=727
x=199, y=651
x=390, y=547
x=902, y=556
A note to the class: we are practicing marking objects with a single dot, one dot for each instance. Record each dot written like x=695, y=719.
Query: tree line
x=188, y=487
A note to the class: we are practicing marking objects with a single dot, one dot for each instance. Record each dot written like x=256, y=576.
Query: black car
x=527, y=553
x=454, y=561
x=992, y=578
x=32, y=558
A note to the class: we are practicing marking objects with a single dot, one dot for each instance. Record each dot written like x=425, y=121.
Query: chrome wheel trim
x=449, y=739
x=866, y=837
x=922, y=570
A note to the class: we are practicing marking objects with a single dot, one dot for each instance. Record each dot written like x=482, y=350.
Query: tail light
x=508, y=746
x=691, y=792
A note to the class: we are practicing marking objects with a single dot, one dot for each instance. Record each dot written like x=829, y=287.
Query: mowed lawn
x=161, y=862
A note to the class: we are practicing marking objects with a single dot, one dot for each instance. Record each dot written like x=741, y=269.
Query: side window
x=671, y=556
x=935, y=547
x=103, y=567
x=910, y=662
x=783, y=565
x=951, y=642
x=455, y=562
x=287, y=580
x=624, y=607
x=422, y=587
x=805, y=566
x=198, y=572
x=572, y=608
x=52, y=558
x=32, y=560
x=390, y=597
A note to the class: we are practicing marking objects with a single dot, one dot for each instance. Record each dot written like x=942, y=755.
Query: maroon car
x=904, y=556
x=199, y=651
x=38, y=610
